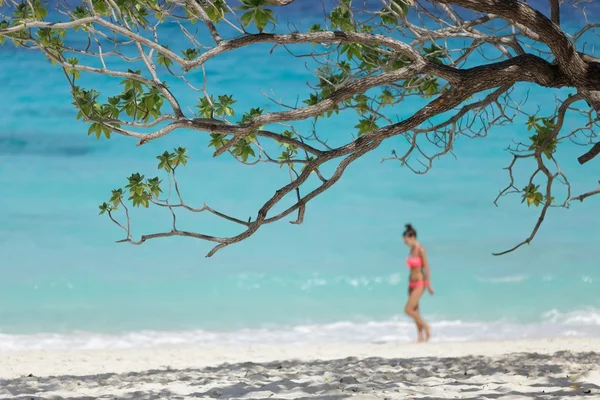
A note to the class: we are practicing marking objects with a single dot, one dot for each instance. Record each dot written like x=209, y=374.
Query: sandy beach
x=532, y=369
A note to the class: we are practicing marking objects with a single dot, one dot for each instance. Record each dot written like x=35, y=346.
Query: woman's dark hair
x=409, y=231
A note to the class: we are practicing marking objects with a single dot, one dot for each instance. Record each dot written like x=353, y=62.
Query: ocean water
x=340, y=276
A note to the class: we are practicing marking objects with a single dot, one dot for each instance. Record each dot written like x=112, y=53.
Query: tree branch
x=555, y=11
x=584, y=196
x=590, y=154
x=549, y=32
x=538, y=155
x=368, y=66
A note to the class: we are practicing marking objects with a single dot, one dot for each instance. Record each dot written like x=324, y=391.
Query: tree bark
x=555, y=11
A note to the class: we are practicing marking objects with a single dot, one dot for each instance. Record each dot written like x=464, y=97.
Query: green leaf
x=341, y=16
x=531, y=122
x=163, y=60
x=250, y=115
x=260, y=21
x=104, y=207
x=180, y=157
x=206, y=107
x=309, y=159
x=315, y=28
x=366, y=125
x=313, y=99
x=154, y=186
x=430, y=87
x=216, y=10
x=247, y=18
x=217, y=141
x=399, y=6
x=132, y=85
x=387, y=17
x=248, y=151
x=532, y=195
x=96, y=129
x=100, y=7
x=3, y=25
x=190, y=15
x=80, y=12
x=72, y=71
x=434, y=53
x=284, y=156
x=544, y=132
x=257, y=13
x=361, y=103
x=164, y=161
x=223, y=106
x=116, y=198
x=352, y=50
x=386, y=97
x=190, y=54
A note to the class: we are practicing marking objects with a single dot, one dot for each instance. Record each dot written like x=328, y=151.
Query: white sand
x=540, y=369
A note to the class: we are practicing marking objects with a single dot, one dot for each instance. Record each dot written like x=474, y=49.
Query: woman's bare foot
x=427, y=332
x=421, y=337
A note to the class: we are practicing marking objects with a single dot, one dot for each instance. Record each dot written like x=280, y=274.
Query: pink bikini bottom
x=416, y=284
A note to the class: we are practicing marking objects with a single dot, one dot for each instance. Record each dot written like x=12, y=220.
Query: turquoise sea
x=340, y=276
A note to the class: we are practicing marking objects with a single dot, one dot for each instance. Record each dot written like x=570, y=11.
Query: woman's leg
x=420, y=332
x=412, y=310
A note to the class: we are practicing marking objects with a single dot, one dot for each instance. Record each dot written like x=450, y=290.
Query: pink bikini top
x=414, y=262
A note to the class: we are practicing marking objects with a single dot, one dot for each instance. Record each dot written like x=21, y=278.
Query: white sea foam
x=580, y=323
x=585, y=317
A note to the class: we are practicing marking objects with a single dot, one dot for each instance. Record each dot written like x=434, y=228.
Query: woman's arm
x=427, y=269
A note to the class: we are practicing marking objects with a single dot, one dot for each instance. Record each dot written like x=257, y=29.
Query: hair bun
x=410, y=231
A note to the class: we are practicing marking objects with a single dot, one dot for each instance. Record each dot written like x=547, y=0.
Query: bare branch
x=591, y=154
x=555, y=11
x=539, y=154
x=584, y=196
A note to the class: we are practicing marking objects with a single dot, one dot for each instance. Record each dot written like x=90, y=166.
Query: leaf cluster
x=544, y=139
x=142, y=191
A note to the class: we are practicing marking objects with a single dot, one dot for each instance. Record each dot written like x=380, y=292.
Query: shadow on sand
x=514, y=376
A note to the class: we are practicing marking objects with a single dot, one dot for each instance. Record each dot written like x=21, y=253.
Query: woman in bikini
x=419, y=280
